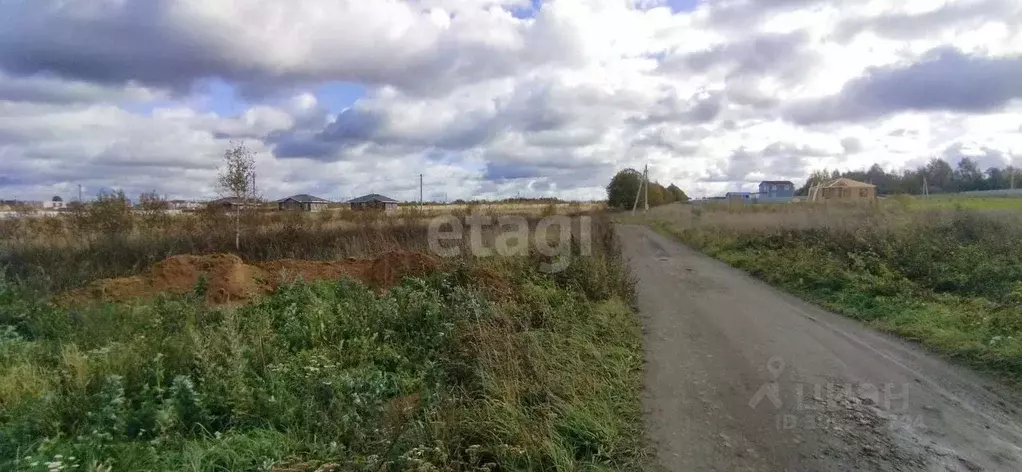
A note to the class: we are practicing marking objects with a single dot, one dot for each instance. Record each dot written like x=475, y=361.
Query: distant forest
x=938, y=175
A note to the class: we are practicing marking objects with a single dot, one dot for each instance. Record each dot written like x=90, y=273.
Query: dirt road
x=741, y=377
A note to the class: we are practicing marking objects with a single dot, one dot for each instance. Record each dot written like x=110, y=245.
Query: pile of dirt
x=228, y=279
x=291, y=269
x=389, y=268
x=492, y=283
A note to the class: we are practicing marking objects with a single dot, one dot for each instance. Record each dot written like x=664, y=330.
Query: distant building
x=776, y=189
x=185, y=205
x=55, y=203
x=373, y=201
x=738, y=195
x=302, y=202
x=844, y=189
x=16, y=205
x=233, y=203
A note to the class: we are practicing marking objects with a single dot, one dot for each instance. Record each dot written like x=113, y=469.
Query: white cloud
x=45, y=89
x=486, y=102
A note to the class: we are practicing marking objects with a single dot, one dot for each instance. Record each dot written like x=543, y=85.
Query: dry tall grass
x=950, y=278
x=758, y=218
x=504, y=208
x=108, y=240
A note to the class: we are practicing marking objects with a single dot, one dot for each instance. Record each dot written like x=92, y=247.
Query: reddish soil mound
x=492, y=283
x=389, y=268
x=291, y=269
x=229, y=279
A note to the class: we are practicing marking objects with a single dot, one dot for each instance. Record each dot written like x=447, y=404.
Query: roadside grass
x=490, y=365
x=951, y=202
x=948, y=279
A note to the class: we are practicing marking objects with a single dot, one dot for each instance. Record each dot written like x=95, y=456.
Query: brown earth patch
x=389, y=268
x=492, y=283
x=230, y=280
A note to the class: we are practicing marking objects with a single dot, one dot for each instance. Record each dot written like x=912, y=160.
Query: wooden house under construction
x=843, y=189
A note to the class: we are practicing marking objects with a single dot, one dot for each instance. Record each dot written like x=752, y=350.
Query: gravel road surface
x=742, y=377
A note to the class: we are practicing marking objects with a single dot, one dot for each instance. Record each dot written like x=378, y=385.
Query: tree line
x=625, y=185
x=937, y=176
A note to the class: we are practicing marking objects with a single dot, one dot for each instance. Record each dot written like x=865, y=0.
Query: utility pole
x=79, y=193
x=638, y=192
x=645, y=180
x=642, y=183
x=420, y=190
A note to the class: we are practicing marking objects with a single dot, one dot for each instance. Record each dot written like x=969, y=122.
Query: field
x=949, y=278
x=330, y=344
x=519, y=208
x=950, y=202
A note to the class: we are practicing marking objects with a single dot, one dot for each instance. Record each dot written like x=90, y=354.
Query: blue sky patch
x=682, y=5
x=336, y=96
x=220, y=97
x=527, y=12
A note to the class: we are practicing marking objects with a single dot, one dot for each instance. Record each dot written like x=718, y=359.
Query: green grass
x=951, y=202
x=441, y=373
x=431, y=375
x=951, y=281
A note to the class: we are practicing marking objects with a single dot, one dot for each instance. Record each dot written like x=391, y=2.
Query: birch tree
x=236, y=180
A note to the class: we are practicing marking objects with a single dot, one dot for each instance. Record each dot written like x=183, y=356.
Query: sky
x=497, y=98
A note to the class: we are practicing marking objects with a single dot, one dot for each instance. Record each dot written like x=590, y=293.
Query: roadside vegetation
x=962, y=201
x=484, y=364
x=950, y=279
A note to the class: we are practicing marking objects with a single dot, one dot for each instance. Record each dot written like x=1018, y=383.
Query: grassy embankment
x=516, y=370
x=949, y=279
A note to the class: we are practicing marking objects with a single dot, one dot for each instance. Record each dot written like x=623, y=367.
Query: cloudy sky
x=493, y=98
